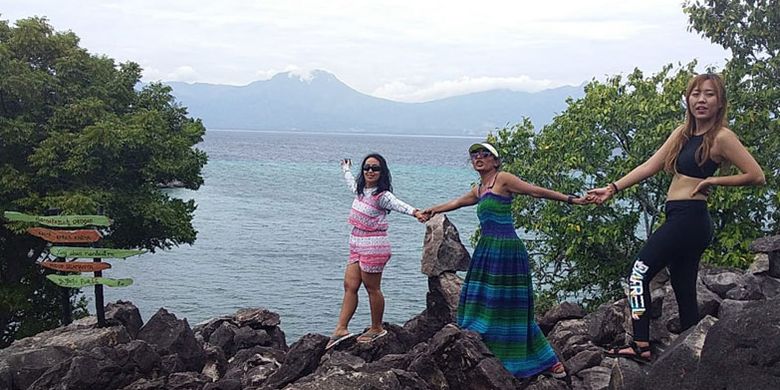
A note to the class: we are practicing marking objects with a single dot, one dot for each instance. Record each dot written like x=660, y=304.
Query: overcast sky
x=401, y=50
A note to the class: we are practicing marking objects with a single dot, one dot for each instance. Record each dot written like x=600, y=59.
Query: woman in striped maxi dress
x=496, y=299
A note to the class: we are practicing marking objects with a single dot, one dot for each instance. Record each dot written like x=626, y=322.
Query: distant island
x=324, y=103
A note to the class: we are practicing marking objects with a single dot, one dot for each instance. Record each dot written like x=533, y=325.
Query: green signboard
x=103, y=253
x=78, y=281
x=59, y=220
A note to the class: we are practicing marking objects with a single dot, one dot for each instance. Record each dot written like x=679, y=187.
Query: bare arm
x=468, y=199
x=346, y=166
x=731, y=149
x=508, y=182
x=648, y=168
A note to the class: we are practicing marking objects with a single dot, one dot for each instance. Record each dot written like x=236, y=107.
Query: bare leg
x=349, y=304
x=376, y=301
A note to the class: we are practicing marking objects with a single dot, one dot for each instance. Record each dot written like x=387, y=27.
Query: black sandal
x=635, y=356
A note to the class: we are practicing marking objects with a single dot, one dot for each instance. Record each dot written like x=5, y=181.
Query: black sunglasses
x=374, y=168
x=480, y=154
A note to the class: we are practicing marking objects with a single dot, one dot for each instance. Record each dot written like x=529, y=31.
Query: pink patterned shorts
x=371, y=250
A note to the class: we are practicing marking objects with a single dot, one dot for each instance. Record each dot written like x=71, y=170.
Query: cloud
x=400, y=91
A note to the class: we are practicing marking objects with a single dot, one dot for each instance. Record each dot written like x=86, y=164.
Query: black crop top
x=686, y=160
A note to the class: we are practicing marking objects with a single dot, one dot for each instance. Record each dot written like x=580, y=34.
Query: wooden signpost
x=65, y=236
x=78, y=281
x=81, y=236
x=75, y=266
x=104, y=253
x=59, y=220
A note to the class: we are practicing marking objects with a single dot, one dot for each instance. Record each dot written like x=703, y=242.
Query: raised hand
x=346, y=164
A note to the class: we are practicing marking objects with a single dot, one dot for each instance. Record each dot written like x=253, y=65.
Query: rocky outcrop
x=735, y=345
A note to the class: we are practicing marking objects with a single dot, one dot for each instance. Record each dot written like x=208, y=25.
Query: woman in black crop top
x=693, y=152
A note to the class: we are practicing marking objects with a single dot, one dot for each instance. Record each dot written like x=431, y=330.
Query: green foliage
x=77, y=136
x=582, y=253
x=751, y=30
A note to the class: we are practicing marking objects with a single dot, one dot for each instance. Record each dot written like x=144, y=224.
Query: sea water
x=272, y=229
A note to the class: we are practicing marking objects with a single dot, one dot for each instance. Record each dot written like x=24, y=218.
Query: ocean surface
x=272, y=230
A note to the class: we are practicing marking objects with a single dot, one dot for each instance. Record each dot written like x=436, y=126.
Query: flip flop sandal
x=635, y=354
x=368, y=337
x=557, y=371
x=335, y=340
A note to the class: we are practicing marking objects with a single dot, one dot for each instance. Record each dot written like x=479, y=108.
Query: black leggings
x=678, y=244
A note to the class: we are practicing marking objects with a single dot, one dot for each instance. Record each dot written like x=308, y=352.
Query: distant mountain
x=324, y=103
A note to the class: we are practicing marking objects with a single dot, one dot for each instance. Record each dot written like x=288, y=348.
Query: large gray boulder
x=442, y=249
x=302, y=359
x=25, y=360
x=676, y=367
x=563, y=311
x=171, y=336
x=441, y=303
x=742, y=351
x=102, y=368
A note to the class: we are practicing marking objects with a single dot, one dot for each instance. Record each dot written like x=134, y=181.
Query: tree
x=581, y=252
x=751, y=30
x=76, y=135
x=584, y=253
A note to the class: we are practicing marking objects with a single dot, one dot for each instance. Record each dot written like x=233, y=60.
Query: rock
x=730, y=307
x=760, y=264
x=766, y=244
x=570, y=337
x=301, y=360
x=771, y=246
x=455, y=359
x=754, y=287
x=125, y=313
x=563, y=311
x=170, y=336
x=585, y=359
x=676, y=366
x=387, y=380
x=222, y=337
x=252, y=366
x=215, y=364
x=743, y=351
x=595, y=378
x=257, y=318
x=626, y=375
x=720, y=280
x=20, y=368
x=102, y=368
x=224, y=384
x=442, y=249
x=25, y=360
x=609, y=323
x=441, y=307
x=396, y=341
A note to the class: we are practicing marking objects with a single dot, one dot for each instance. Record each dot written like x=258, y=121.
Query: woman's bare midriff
x=682, y=186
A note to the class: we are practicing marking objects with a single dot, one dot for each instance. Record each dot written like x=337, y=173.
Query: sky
x=408, y=51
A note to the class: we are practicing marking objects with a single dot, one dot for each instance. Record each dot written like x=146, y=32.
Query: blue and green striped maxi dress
x=496, y=299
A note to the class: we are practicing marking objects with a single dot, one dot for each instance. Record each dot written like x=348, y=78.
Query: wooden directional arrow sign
x=59, y=220
x=75, y=266
x=62, y=236
x=103, y=253
x=78, y=281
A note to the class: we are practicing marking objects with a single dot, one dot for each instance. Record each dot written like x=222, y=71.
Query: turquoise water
x=272, y=229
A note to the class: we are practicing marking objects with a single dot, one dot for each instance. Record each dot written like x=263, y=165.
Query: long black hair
x=385, y=182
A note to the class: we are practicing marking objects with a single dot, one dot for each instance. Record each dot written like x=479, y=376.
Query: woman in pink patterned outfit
x=369, y=248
